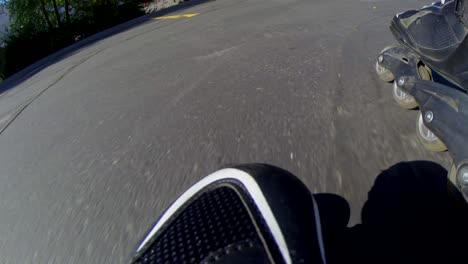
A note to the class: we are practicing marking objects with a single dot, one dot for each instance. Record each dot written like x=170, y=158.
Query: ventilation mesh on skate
x=432, y=31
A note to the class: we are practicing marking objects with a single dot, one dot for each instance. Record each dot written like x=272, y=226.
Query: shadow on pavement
x=36, y=67
x=413, y=215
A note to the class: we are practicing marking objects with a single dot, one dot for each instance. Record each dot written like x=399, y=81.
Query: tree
x=57, y=13
x=24, y=13
x=67, y=11
x=45, y=14
x=50, y=25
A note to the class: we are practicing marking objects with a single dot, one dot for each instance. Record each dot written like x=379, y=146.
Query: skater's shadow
x=413, y=215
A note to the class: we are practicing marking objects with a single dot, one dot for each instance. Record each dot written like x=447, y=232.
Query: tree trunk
x=57, y=13
x=67, y=11
x=46, y=15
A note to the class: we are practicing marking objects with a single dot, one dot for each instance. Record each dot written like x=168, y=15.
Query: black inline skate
x=433, y=46
x=445, y=112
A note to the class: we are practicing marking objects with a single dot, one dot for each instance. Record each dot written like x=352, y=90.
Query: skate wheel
x=428, y=139
x=384, y=74
x=402, y=98
x=424, y=73
x=452, y=174
x=455, y=195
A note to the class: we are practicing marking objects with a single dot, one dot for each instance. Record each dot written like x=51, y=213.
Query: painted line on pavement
x=177, y=16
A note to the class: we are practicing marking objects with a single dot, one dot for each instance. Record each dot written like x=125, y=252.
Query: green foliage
x=41, y=27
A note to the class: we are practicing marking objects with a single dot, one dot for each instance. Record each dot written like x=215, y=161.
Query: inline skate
x=433, y=45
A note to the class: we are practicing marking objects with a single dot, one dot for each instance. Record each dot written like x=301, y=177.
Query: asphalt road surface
x=102, y=141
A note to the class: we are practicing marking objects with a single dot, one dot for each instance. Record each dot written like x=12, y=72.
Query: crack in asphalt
x=8, y=119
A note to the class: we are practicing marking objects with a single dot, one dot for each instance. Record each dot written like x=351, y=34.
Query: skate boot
x=433, y=46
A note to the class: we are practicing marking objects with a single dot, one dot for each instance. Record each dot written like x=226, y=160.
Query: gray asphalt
x=102, y=141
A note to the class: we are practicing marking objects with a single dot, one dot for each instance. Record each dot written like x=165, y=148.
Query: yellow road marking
x=190, y=15
x=177, y=16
